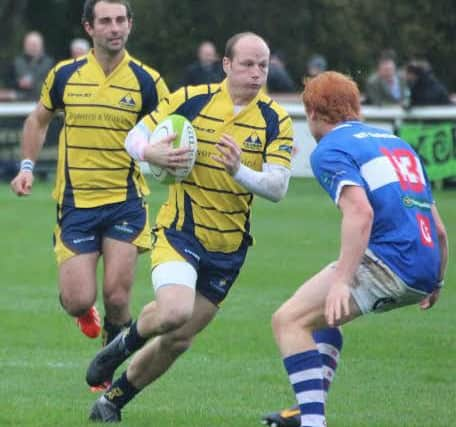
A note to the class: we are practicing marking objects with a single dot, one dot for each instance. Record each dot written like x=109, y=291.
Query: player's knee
x=116, y=300
x=75, y=305
x=281, y=320
x=174, y=318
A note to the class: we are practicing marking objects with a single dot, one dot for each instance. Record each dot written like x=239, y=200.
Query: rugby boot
x=106, y=361
x=90, y=323
x=290, y=417
x=104, y=411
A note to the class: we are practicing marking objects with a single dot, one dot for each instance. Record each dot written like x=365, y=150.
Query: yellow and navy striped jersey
x=209, y=203
x=93, y=167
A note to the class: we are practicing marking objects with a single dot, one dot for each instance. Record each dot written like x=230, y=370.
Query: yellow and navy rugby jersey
x=93, y=166
x=209, y=202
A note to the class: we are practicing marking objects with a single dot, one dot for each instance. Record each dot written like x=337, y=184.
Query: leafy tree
x=350, y=33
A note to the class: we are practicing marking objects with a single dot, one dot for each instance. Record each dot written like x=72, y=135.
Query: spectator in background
x=386, y=86
x=30, y=68
x=316, y=64
x=206, y=69
x=279, y=81
x=79, y=47
x=425, y=88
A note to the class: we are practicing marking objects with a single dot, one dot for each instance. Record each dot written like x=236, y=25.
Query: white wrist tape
x=27, y=165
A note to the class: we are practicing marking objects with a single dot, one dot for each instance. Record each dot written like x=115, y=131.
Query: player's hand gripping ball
x=186, y=137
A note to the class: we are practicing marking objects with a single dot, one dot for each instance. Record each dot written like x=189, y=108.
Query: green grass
x=397, y=369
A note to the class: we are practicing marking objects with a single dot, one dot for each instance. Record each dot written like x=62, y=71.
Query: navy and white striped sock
x=306, y=376
x=329, y=343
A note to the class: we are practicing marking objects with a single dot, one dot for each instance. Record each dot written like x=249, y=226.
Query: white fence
x=386, y=117
x=389, y=118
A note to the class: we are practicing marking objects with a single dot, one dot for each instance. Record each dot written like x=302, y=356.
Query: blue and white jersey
x=404, y=234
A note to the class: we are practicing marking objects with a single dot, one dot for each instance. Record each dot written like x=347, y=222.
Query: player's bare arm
x=35, y=128
x=431, y=299
x=443, y=241
x=357, y=216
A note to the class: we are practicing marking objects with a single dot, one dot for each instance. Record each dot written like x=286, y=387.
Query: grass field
x=397, y=370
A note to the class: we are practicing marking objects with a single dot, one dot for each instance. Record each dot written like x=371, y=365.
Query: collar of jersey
x=93, y=61
x=340, y=126
x=346, y=124
x=227, y=98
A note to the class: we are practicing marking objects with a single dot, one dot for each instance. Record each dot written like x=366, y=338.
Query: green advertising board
x=436, y=145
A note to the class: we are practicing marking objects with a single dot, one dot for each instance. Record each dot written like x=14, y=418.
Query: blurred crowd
x=415, y=84
x=28, y=70
x=408, y=85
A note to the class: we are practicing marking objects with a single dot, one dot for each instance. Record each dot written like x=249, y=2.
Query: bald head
x=240, y=40
x=33, y=44
x=207, y=53
x=79, y=47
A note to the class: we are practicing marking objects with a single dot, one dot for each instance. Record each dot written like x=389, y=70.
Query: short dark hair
x=387, y=55
x=89, y=6
x=231, y=43
x=418, y=67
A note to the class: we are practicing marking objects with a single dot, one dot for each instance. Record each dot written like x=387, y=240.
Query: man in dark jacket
x=206, y=69
x=425, y=88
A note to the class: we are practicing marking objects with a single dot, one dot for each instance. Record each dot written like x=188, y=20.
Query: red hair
x=332, y=97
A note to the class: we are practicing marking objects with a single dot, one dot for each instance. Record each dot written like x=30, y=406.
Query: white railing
x=386, y=117
x=16, y=109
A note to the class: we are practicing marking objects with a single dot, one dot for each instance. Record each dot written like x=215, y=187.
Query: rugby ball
x=186, y=137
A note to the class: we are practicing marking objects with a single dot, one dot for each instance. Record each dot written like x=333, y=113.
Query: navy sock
x=132, y=340
x=110, y=330
x=121, y=391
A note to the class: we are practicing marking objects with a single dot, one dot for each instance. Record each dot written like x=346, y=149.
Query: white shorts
x=377, y=289
x=174, y=273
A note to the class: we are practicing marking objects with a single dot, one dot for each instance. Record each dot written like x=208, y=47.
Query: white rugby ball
x=186, y=137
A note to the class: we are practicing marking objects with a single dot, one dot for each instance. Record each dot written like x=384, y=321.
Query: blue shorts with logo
x=216, y=271
x=81, y=230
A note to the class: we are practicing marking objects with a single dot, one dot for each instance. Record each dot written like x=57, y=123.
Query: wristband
x=27, y=165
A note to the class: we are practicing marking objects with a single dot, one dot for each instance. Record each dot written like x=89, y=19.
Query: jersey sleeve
x=153, y=87
x=334, y=169
x=278, y=151
x=162, y=88
x=47, y=99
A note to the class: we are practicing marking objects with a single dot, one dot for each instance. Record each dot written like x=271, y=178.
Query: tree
x=350, y=33
x=11, y=25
